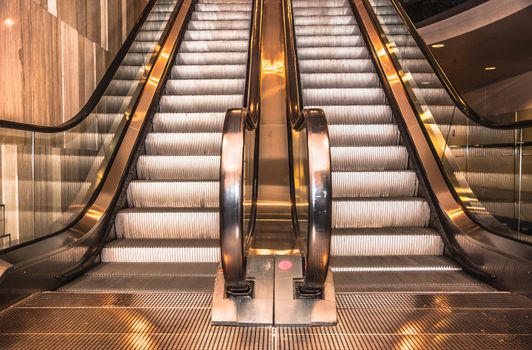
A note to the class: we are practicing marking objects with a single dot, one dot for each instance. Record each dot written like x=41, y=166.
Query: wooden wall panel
x=71, y=81
x=11, y=84
x=47, y=51
x=94, y=22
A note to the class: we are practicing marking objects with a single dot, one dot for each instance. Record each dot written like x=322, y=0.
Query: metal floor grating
x=55, y=320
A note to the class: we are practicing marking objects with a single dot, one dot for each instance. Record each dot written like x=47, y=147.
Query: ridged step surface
x=161, y=251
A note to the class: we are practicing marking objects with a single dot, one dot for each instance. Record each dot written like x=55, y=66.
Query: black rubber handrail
x=313, y=122
x=97, y=94
x=447, y=84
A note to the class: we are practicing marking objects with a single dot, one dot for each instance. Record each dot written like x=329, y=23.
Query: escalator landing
x=182, y=321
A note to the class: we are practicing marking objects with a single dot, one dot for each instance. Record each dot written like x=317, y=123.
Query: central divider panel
x=265, y=254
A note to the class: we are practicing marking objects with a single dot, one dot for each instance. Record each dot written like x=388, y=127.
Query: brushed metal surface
x=182, y=321
x=290, y=310
x=247, y=310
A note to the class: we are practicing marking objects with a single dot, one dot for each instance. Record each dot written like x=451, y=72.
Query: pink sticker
x=285, y=265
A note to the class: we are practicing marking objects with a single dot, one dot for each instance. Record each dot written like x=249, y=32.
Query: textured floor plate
x=182, y=321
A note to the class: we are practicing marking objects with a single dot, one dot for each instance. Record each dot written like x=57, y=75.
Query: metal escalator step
x=387, y=19
x=148, y=269
x=337, y=41
x=173, y=194
x=224, y=7
x=165, y=223
x=163, y=8
x=199, y=103
x=135, y=59
x=374, y=184
x=319, y=3
x=376, y=212
x=222, y=1
x=220, y=34
x=206, y=58
x=392, y=29
x=154, y=23
x=119, y=87
x=157, y=17
x=138, y=284
x=188, y=122
x=387, y=263
x=364, y=135
x=205, y=86
x=162, y=251
x=408, y=281
x=357, y=114
x=321, y=11
x=327, y=30
x=321, y=20
x=336, y=66
x=401, y=40
x=416, y=65
x=220, y=71
x=342, y=96
x=129, y=72
x=225, y=16
x=339, y=80
x=113, y=104
x=149, y=35
x=409, y=52
x=142, y=46
x=214, y=46
x=403, y=241
x=178, y=167
x=310, y=53
x=385, y=10
x=369, y=158
x=183, y=144
x=219, y=25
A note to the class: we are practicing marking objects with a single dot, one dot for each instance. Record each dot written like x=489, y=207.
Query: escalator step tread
x=391, y=263
x=200, y=194
x=374, y=184
x=398, y=241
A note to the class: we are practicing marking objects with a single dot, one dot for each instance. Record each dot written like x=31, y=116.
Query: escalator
x=382, y=237
x=402, y=267
x=170, y=228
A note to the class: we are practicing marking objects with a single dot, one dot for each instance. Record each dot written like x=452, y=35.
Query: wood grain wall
x=54, y=52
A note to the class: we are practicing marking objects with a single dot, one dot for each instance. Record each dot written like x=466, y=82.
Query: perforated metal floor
x=182, y=321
